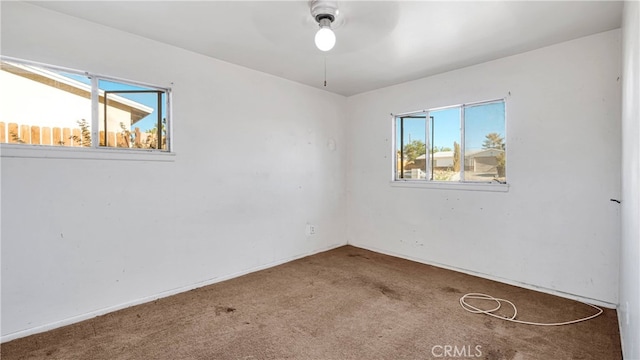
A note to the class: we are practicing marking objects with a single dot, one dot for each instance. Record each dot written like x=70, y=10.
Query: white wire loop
x=512, y=318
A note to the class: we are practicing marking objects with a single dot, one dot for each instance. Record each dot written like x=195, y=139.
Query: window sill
x=60, y=152
x=451, y=185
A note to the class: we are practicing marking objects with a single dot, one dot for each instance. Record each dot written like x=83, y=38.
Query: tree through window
x=464, y=143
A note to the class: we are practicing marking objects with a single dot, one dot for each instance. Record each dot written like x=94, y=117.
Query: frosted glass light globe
x=325, y=39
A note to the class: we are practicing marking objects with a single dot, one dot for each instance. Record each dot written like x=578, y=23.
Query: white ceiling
x=379, y=43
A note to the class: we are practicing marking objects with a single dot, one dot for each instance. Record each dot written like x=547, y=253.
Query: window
x=46, y=105
x=464, y=143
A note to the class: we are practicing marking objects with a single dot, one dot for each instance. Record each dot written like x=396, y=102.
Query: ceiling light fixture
x=324, y=12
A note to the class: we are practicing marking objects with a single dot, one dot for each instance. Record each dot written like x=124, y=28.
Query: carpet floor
x=347, y=303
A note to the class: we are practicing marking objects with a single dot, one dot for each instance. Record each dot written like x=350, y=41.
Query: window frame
x=427, y=182
x=95, y=151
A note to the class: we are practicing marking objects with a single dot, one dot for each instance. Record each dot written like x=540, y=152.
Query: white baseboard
x=494, y=278
x=92, y=314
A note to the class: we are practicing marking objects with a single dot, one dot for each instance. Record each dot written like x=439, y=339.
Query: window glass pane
x=485, y=145
x=445, y=144
x=43, y=106
x=133, y=116
x=411, y=147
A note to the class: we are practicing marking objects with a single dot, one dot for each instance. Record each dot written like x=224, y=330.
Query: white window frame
x=95, y=151
x=427, y=183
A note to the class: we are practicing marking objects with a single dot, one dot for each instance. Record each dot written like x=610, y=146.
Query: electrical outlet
x=311, y=229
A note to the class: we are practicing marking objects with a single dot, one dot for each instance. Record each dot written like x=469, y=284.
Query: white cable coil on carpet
x=479, y=296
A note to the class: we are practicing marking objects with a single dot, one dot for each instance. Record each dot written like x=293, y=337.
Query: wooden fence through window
x=13, y=133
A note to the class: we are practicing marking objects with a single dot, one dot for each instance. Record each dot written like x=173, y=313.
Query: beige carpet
x=346, y=303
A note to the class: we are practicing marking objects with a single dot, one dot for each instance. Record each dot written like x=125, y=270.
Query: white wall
x=253, y=165
x=556, y=227
x=629, y=310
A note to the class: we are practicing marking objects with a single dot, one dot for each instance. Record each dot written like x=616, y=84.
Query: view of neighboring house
x=39, y=106
x=482, y=163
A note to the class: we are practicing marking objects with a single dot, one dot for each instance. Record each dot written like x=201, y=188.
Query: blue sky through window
x=147, y=99
x=480, y=120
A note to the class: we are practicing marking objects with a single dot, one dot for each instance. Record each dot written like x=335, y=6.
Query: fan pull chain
x=325, y=71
